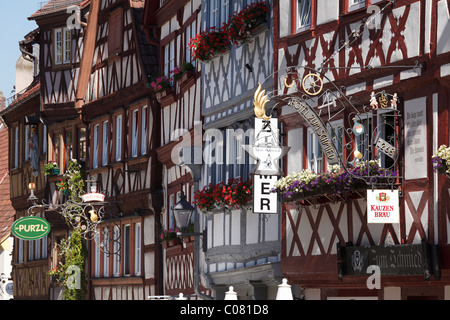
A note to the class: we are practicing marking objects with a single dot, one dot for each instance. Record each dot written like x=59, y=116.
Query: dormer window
x=62, y=41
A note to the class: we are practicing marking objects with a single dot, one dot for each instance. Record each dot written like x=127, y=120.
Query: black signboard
x=412, y=259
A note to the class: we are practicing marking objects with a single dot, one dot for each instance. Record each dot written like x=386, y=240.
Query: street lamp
x=183, y=211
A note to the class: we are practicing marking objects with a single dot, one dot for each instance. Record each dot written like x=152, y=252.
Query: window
x=169, y=58
x=356, y=4
x=95, y=146
x=82, y=143
x=116, y=258
x=16, y=147
x=119, y=137
x=303, y=13
x=105, y=254
x=105, y=137
x=144, y=127
x=27, y=143
x=386, y=131
x=69, y=146
x=191, y=32
x=137, y=249
x=62, y=46
x=20, y=252
x=115, y=33
x=57, y=145
x=315, y=157
x=134, y=133
x=126, y=250
x=219, y=12
x=97, y=256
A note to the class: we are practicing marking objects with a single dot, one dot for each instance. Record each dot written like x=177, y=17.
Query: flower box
x=160, y=96
x=441, y=161
x=209, y=43
x=185, y=77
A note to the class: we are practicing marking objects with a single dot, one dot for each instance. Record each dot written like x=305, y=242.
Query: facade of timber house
x=357, y=89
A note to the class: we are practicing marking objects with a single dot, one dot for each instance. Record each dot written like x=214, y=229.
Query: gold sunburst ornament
x=260, y=100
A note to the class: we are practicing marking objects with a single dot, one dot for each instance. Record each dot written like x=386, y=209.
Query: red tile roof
x=54, y=6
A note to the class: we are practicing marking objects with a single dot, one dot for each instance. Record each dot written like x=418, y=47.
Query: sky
x=14, y=25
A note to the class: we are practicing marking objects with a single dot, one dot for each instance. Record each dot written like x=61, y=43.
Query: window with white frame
x=105, y=254
x=119, y=137
x=20, y=251
x=144, y=130
x=137, y=249
x=62, y=46
x=169, y=58
x=95, y=146
x=27, y=143
x=97, y=256
x=219, y=12
x=16, y=147
x=356, y=4
x=105, y=138
x=303, y=13
x=191, y=32
x=116, y=258
x=134, y=133
x=314, y=154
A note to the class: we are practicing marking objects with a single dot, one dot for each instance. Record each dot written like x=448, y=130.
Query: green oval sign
x=30, y=228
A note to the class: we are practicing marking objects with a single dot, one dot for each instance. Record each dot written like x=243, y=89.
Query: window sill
x=118, y=280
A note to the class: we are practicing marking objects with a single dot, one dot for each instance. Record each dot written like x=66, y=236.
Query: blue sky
x=14, y=25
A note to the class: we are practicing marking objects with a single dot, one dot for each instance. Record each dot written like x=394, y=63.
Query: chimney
x=2, y=101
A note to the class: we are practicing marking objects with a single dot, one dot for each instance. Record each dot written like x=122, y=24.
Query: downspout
x=33, y=59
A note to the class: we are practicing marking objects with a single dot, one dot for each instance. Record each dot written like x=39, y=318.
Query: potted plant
x=209, y=43
x=441, y=160
x=162, y=86
x=169, y=237
x=244, y=24
x=176, y=73
x=188, y=229
x=51, y=168
x=187, y=71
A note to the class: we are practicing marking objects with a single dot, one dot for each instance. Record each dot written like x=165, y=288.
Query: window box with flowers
x=441, y=161
x=209, y=43
x=162, y=86
x=234, y=194
x=308, y=185
x=51, y=168
x=247, y=23
x=169, y=238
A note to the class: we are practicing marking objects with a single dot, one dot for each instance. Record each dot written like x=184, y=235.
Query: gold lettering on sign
x=319, y=129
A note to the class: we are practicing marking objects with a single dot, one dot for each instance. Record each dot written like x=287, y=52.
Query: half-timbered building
x=26, y=156
x=123, y=129
x=243, y=247
x=370, y=70
x=95, y=63
x=174, y=23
